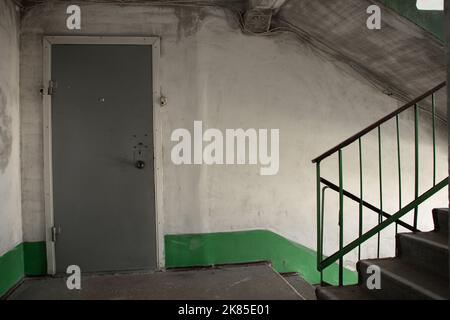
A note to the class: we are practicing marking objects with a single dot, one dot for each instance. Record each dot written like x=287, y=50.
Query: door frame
x=154, y=42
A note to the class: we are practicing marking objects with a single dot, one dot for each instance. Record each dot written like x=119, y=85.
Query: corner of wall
x=195, y=250
x=25, y=260
x=35, y=259
x=11, y=269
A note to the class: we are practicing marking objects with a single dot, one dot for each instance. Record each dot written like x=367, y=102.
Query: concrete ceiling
x=401, y=59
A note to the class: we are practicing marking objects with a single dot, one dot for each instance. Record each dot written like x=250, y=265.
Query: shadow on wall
x=5, y=133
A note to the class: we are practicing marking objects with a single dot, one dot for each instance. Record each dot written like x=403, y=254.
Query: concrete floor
x=258, y=282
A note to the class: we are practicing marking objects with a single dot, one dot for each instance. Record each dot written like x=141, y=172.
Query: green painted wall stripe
x=35, y=258
x=249, y=246
x=431, y=21
x=27, y=259
x=11, y=268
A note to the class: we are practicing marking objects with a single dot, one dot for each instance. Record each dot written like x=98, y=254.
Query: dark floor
x=259, y=282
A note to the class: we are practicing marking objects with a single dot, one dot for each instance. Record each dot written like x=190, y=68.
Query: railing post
x=380, y=216
x=322, y=219
x=399, y=171
x=433, y=112
x=341, y=220
x=319, y=233
x=360, y=195
x=416, y=161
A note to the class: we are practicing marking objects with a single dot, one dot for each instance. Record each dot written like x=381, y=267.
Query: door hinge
x=51, y=87
x=56, y=231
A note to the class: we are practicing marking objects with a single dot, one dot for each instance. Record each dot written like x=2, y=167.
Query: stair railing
x=389, y=219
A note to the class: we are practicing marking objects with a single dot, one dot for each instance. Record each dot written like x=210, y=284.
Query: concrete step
x=402, y=281
x=426, y=250
x=355, y=292
x=305, y=289
x=440, y=218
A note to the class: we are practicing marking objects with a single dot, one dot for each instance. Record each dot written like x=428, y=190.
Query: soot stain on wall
x=5, y=133
x=189, y=21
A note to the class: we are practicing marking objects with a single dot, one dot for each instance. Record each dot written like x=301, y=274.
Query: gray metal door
x=103, y=172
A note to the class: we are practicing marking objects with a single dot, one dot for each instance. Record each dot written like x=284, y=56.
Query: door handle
x=140, y=164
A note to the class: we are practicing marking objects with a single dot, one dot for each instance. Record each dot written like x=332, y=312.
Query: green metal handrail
x=389, y=219
x=375, y=125
x=366, y=236
x=332, y=186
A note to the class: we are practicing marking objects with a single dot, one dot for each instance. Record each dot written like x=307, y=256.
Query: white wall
x=210, y=71
x=10, y=194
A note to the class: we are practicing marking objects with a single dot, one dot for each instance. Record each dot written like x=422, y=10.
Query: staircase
x=419, y=271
